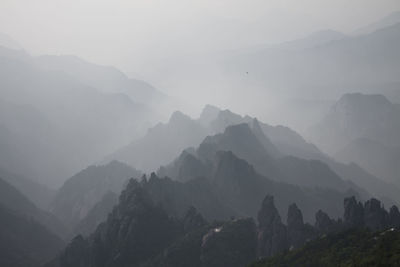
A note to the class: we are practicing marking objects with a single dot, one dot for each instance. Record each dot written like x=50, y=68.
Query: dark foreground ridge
x=355, y=247
x=139, y=232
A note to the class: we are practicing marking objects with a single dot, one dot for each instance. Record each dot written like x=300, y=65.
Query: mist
x=199, y=133
x=176, y=45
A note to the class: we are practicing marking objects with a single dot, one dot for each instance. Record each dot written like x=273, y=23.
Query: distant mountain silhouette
x=389, y=20
x=12, y=199
x=301, y=82
x=161, y=143
x=105, y=78
x=81, y=123
x=378, y=159
x=271, y=144
x=348, y=63
x=358, y=116
x=364, y=129
x=39, y=194
x=313, y=40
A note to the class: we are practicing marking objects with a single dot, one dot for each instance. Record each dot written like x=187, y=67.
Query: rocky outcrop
x=375, y=216
x=272, y=235
x=371, y=215
x=80, y=193
x=297, y=231
x=139, y=232
x=323, y=223
x=353, y=212
x=134, y=231
x=394, y=217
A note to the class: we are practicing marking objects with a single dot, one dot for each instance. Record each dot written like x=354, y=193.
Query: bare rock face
x=394, y=217
x=375, y=216
x=297, y=232
x=323, y=223
x=272, y=235
x=353, y=212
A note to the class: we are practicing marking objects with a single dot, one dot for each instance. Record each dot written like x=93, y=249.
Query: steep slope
x=239, y=187
x=358, y=116
x=39, y=194
x=81, y=123
x=106, y=78
x=244, y=143
x=266, y=150
x=376, y=158
x=363, y=129
x=161, y=143
x=12, y=199
x=176, y=197
x=135, y=231
x=82, y=191
x=24, y=242
x=97, y=214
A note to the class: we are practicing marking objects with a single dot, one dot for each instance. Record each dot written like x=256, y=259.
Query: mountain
x=239, y=185
x=81, y=123
x=161, y=143
x=389, y=20
x=358, y=116
x=24, y=242
x=139, y=231
x=327, y=69
x=105, y=78
x=12, y=199
x=97, y=214
x=181, y=132
x=39, y=194
x=297, y=83
x=144, y=230
x=8, y=42
x=243, y=142
x=172, y=138
x=364, y=129
x=80, y=193
x=313, y=40
x=378, y=159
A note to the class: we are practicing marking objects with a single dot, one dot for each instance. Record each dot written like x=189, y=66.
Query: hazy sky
x=121, y=31
x=139, y=36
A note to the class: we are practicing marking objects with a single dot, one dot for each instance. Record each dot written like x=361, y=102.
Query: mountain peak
x=178, y=117
x=389, y=20
x=208, y=114
x=362, y=102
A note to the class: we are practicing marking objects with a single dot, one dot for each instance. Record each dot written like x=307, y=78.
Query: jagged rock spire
x=272, y=237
